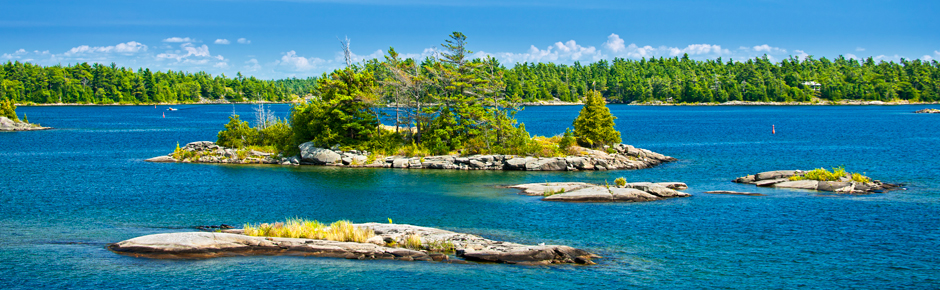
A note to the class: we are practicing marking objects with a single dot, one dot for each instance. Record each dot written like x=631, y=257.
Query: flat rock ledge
x=781, y=179
x=928, y=111
x=587, y=192
x=7, y=125
x=625, y=157
x=198, y=245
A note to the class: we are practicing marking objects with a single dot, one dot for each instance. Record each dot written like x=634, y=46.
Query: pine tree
x=594, y=126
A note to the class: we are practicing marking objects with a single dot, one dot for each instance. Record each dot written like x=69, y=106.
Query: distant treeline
x=685, y=80
x=101, y=84
x=679, y=80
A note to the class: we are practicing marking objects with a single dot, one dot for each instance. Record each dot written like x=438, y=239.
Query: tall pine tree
x=594, y=126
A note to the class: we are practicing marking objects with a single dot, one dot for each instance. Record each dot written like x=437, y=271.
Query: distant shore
x=552, y=103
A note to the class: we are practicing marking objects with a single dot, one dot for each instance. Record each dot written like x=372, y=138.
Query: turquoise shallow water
x=66, y=193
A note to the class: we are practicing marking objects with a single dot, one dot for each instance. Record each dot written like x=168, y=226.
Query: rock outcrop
x=624, y=157
x=845, y=184
x=9, y=125
x=188, y=245
x=587, y=192
x=928, y=111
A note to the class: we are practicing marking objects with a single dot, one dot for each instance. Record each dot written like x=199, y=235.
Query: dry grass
x=342, y=231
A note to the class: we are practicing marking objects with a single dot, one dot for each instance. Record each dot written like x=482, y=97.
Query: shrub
x=413, y=241
x=237, y=134
x=8, y=109
x=620, y=181
x=821, y=174
x=567, y=140
x=342, y=231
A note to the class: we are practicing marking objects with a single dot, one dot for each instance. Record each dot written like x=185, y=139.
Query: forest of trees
x=100, y=84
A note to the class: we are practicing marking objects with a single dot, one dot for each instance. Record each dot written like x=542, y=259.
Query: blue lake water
x=66, y=193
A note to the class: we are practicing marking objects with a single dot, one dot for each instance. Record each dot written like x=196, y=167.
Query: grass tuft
x=342, y=231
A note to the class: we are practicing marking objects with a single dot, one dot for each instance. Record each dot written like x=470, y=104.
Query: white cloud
x=129, y=47
x=618, y=48
x=244, y=41
x=850, y=56
x=292, y=62
x=559, y=52
x=359, y=58
x=926, y=57
x=15, y=55
x=222, y=41
x=191, y=54
x=179, y=39
x=768, y=49
x=252, y=65
x=859, y=49
x=801, y=54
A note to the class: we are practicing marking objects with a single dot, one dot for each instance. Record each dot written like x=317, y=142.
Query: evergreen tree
x=8, y=109
x=594, y=126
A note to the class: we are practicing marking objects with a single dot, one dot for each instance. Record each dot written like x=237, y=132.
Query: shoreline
x=622, y=157
x=549, y=103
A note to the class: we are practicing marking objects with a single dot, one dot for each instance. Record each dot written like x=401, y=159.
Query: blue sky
x=278, y=39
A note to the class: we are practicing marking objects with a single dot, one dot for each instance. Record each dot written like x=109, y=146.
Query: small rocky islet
x=466, y=247
x=844, y=184
x=927, y=111
x=7, y=125
x=587, y=192
x=622, y=157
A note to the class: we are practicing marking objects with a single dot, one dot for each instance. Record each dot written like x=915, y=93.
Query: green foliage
x=442, y=246
x=821, y=174
x=342, y=115
x=342, y=231
x=551, y=192
x=594, y=126
x=8, y=109
x=567, y=140
x=237, y=134
x=620, y=181
x=108, y=84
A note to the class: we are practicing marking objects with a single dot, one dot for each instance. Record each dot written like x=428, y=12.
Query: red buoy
x=164, y=115
x=774, y=128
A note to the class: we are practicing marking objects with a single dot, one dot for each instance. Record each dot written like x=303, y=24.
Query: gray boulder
x=517, y=163
x=774, y=174
x=161, y=159
x=799, y=184
x=317, y=155
x=400, y=163
x=552, y=164
x=542, y=188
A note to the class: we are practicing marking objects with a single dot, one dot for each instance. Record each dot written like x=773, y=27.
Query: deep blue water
x=66, y=193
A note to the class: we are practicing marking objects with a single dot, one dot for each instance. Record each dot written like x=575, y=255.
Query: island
x=820, y=179
x=9, y=121
x=367, y=241
x=620, y=191
x=927, y=111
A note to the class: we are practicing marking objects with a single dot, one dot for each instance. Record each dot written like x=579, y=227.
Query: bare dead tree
x=346, y=53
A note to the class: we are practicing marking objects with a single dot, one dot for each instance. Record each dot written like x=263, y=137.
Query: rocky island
x=619, y=192
x=381, y=242
x=927, y=111
x=820, y=179
x=623, y=157
x=15, y=125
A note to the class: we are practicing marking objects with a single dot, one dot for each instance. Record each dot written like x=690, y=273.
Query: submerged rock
x=231, y=243
x=734, y=193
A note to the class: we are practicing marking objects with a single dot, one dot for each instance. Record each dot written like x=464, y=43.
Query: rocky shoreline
x=927, y=111
x=466, y=247
x=587, y=192
x=845, y=184
x=9, y=125
x=625, y=157
x=817, y=103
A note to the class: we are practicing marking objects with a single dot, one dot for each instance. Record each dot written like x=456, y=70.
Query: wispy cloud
x=129, y=47
x=290, y=61
x=179, y=39
x=244, y=41
x=222, y=41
